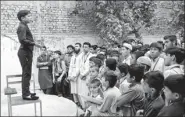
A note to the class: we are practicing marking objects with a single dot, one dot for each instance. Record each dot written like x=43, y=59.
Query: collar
x=23, y=23
x=128, y=57
x=174, y=66
x=154, y=60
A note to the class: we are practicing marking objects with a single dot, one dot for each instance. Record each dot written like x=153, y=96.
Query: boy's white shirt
x=172, y=70
x=157, y=64
x=127, y=60
x=114, y=93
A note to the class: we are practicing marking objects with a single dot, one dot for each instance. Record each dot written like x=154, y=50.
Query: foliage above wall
x=116, y=20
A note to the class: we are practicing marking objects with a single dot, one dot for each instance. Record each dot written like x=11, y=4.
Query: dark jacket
x=25, y=37
x=174, y=109
x=152, y=107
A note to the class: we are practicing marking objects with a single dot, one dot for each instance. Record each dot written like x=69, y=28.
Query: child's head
x=57, y=54
x=93, y=72
x=93, y=49
x=136, y=73
x=155, y=50
x=101, y=57
x=111, y=64
x=173, y=55
x=70, y=49
x=109, y=80
x=94, y=86
x=153, y=83
x=93, y=61
x=115, y=55
x=135, y=55
x=123, y=68
x=174, y=86
x=24, y=15
x=126, y=49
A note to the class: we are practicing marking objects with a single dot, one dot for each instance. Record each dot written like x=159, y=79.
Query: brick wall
x=52, y=22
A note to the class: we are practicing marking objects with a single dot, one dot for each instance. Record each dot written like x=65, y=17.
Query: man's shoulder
x=158, y=103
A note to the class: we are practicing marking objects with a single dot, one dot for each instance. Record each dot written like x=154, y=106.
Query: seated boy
x=95, y=92
x=152, y=85
x=174, y=92
x=93, y=74
x=111, y=93
x=123, y=84
x=135, y=95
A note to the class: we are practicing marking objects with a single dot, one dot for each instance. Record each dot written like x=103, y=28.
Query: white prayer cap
x=144, y=60
x=129, y=46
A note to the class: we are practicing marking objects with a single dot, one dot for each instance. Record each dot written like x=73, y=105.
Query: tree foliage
x=116, y=20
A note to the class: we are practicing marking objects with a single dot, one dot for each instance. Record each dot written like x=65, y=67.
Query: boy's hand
x=59, y=79
x=139, y=113
x=53, y=80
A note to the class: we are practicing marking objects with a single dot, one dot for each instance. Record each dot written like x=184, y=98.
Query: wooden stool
x=17, y=100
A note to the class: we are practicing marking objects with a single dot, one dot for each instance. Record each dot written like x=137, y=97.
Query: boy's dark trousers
x=59, y=85
x=25, y=58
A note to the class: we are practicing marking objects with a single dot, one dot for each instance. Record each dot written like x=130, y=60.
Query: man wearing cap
x=157, y=62
x=125, y=51
x=25, y=52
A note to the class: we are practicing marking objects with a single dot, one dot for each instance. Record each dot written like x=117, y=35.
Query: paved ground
x=52, y=105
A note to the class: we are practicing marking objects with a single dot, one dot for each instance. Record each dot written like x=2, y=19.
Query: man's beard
x=77, y=51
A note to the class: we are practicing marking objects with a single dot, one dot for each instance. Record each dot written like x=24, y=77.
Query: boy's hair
x=97, y=61
x=91, y=58
x=176, y=83
x=111, y=64
x=44, y=47
x=70, y=46
x=111, y=78
x=178, y=52
x=78, y=44
x=123, y=68
x=95, y=81
x=138, y=54
x=154, y=79
x=172, y=38
x=58, y=52
x=94, y=47
x=114, y=53
x=156, y=45
x=101, y=57
x=87, y=43
x=22, y=13
x=137, y=71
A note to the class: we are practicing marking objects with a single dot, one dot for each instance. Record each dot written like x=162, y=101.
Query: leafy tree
x=116, y=20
